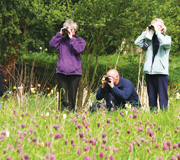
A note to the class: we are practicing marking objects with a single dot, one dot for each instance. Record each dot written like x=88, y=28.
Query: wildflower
x=33, y=91
x=161, y=158
x=79, y=151
x=108, y=120
x=115, y=150
x=86, y=148
x=39, y=85
x=167, y=134
x=81, y=135
x=9, y=158
x=128, y=131
x=72, y=141
x=103, y=135
x=173, y=158
x=64, y=116
x=51, y=134
x=48, y=143
x=48, y=155
x=135, y=115
x=111, y=157
x=156, y=146
x=46, y=49
x=26, y=156
x=58, y=136
x=66, y=141
x=49, y=95
x=21, y=137
x=28, y=140
x=165, y=147
x=179, y=144
x=175, y=146
x=4, y=151
x=176, y=131
x=98, y=124
x=148, y=149
x=23, y=125
x=102, y=146
x=14, y=87
x=104, y=141
x=14, y=111
x=101, y=154
x=34, y=139
x=178, y=156
x=169, y=143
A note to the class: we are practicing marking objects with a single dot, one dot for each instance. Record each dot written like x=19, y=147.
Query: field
x=32, y=128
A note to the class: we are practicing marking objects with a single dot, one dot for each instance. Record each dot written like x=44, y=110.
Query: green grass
x=167, y=120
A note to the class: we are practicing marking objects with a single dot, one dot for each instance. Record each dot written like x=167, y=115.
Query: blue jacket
x=118, y=95
x=160, y=63
x=69, y=61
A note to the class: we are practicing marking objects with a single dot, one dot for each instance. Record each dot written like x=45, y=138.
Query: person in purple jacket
x=116, y=91
x=69, y=63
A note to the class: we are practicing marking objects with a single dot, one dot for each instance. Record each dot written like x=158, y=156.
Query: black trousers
x=67, y=85
x=157, y=85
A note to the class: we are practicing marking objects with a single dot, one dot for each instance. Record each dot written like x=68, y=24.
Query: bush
x=128, y=67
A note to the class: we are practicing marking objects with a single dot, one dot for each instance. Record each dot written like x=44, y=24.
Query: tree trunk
x=9, y=65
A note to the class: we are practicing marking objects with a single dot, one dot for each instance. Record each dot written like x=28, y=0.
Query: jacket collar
x=120, y=82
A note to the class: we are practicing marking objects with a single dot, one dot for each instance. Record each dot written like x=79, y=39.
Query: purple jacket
x=69, y=61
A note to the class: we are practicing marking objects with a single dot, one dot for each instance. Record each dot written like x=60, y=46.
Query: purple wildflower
x=26, y=156
x=128, y=131
x=103, y=135
x=65, y=141
x=101, y=154
x=86, y=148
x=175, y=146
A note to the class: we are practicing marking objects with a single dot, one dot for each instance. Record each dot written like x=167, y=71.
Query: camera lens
x=151, y=27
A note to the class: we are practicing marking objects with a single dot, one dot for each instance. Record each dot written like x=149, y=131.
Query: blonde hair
x=161, y=23
x=71, y=23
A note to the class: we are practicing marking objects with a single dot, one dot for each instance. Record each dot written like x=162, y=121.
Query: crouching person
x=116, y=91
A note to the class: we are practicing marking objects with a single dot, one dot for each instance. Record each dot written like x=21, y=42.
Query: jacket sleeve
x=124, y=93
x=1, y=85
x=100, y=93
x=164, y=41
x=55, y=41
x=141, y=39
x=77, y=44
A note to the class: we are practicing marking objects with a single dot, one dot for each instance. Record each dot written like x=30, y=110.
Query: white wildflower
x=64, y=116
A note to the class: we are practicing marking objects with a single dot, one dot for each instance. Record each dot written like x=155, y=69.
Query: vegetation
x=34, y=129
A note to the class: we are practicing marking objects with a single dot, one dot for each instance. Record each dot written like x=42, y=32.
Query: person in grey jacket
x=156, y=66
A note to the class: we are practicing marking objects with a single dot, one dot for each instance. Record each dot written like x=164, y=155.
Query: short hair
x=71, y=23
x=161, y=23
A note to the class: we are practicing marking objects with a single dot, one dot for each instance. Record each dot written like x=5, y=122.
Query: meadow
x=32, y=128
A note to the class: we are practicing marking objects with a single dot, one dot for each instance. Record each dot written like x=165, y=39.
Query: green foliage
x=174, y=70
x=28, y=25
x=128, y=67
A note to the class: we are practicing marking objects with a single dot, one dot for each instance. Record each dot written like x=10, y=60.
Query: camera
x=65, y=30
x=145, y=46
x=151, y=27
x=107, y=79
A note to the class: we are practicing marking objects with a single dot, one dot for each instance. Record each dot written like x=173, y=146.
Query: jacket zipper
x=68, y=59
